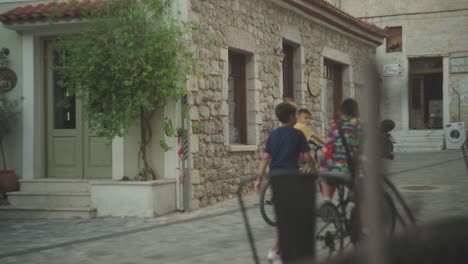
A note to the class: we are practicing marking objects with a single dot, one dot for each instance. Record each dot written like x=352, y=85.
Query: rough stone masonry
x=256, y=28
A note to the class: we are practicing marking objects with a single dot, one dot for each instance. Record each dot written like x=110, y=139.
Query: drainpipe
x=186, y=179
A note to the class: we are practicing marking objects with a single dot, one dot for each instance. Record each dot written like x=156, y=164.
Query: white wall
x=423, y=35
x=13, y=142
x=366, y=8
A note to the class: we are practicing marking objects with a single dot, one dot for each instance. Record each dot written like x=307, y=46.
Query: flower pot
x=8, y=181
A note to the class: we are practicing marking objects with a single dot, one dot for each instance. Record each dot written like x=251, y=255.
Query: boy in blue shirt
x=282, y=151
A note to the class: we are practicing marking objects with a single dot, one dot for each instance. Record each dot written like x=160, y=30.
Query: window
x=237, y=98
x=288, y=71
x=328, y=72
x=64, y=103
x=394, y=40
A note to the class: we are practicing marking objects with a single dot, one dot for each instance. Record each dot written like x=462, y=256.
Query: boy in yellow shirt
x=304, y=117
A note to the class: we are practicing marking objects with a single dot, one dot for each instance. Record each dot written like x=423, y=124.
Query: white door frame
x=348, y=80
x=445, y=90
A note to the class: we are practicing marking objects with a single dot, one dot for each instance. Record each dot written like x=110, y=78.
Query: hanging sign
x=8, y=79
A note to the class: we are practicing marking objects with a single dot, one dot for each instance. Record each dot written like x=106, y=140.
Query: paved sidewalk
x=215, y=234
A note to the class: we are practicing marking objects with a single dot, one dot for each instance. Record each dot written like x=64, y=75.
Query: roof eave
x=45, y=26
x=346, y=16
x=318, y=14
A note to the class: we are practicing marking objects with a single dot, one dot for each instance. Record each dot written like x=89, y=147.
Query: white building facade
x=423, y=65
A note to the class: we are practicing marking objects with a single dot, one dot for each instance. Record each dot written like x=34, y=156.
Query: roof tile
x=40, y=12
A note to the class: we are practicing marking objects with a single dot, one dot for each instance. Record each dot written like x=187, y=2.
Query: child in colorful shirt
x=334, y=157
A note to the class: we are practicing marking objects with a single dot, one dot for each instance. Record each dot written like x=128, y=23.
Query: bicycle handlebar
x=315, y=144
x=337, y=177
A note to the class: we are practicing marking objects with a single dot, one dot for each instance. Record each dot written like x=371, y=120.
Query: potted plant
x=9, y=113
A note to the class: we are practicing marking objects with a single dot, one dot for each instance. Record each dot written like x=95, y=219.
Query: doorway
x=73, y=149
x=426, y=93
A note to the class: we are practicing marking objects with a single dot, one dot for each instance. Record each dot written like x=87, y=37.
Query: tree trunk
x=146, y=135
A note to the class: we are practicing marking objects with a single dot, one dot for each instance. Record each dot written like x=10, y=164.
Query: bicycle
x=267, y=209
x=341, y=221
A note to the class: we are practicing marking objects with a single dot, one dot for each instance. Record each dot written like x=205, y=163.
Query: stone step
x=12, y=212
x=54, y=186
x=49, y=200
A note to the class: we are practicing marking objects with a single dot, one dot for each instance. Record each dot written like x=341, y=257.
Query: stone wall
x=256, y=28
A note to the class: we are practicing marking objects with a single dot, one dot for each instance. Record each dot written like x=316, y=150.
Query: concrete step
x=54, y=186
x=429, y=143
x=48, y=200
x=413, y=148
x=418, y=140
x=424, y=132
x=12, y=212
x=429, y=140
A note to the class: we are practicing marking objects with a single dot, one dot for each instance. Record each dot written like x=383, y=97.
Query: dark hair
x=304, y=111
x=349, y=107
x=284, y=110
x=387, y=125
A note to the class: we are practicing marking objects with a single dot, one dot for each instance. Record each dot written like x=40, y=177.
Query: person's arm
x=309, y=160
x=305, y=150
x=317, y=139
x=387, y=148
x=262, y=169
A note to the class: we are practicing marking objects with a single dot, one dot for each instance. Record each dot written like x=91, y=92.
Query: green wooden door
x=73, y=150
x=97, y=155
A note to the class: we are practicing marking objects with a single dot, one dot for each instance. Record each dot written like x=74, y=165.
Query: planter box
x=127, y=198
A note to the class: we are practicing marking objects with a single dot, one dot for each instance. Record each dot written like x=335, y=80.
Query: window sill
x=241, y=148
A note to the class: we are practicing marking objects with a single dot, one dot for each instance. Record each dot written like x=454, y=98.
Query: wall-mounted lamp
x=4, y=52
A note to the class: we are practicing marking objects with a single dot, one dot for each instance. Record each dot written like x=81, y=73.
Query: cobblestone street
x=434, y=185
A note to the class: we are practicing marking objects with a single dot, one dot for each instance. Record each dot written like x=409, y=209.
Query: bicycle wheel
x=389, y=215
x=330, y=229
x=267, y=208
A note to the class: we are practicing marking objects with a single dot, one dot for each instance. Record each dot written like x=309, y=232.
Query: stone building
x=423, y=66
x=259, y=52
x=266, y=50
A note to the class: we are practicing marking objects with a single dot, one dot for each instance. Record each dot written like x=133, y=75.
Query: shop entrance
x=426, y=94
